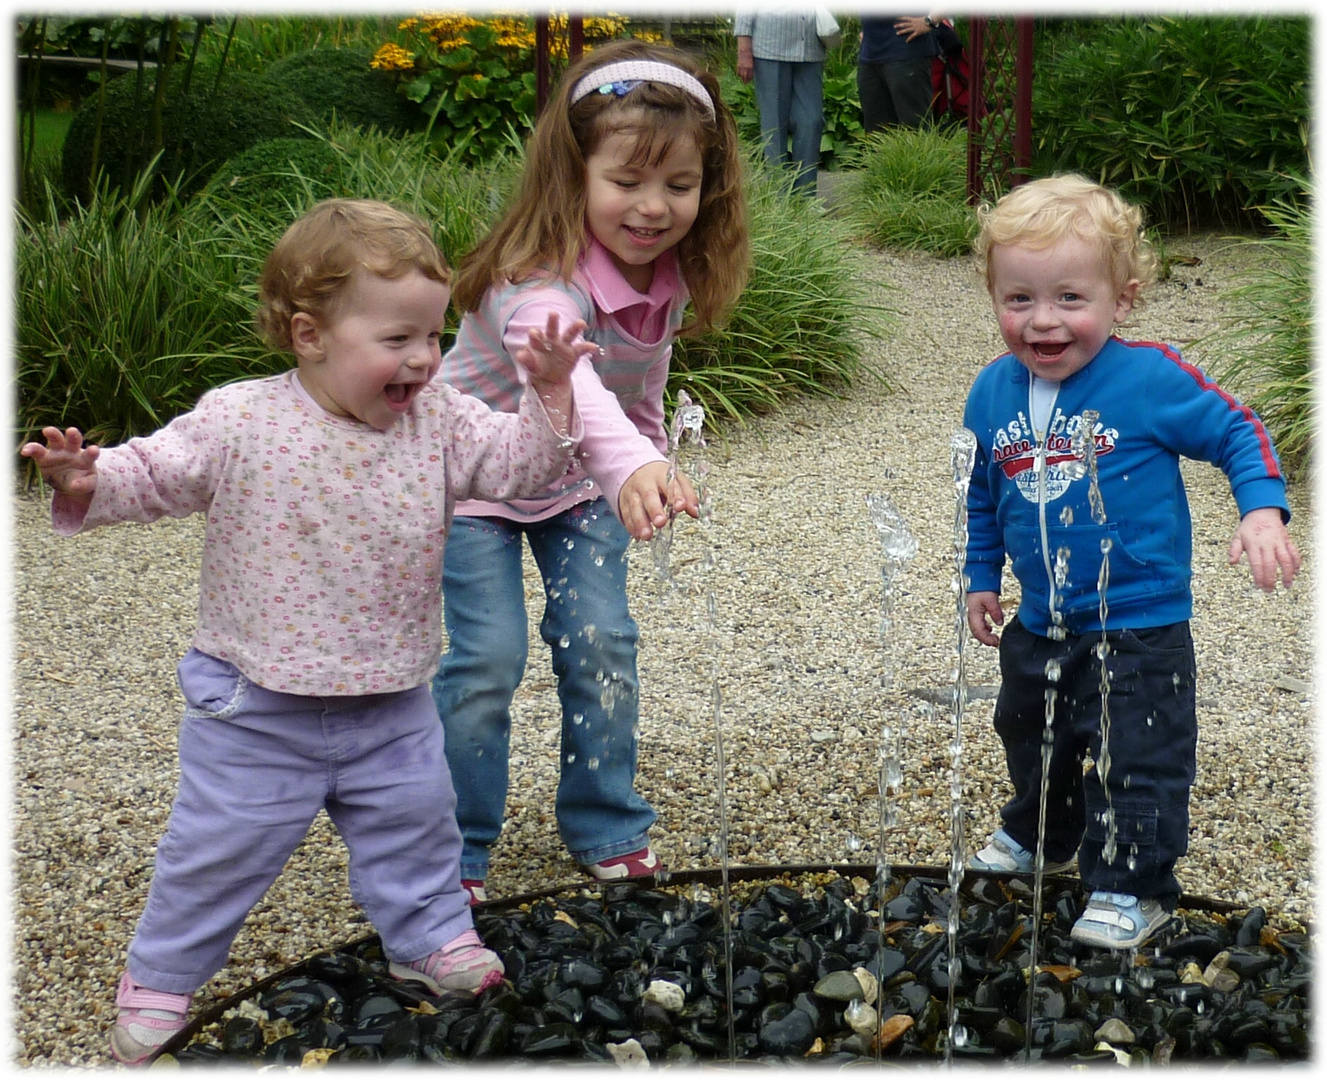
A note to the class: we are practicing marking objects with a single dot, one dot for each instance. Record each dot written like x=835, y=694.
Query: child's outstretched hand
x=984, y=614
x=1263, y=538
x=65, y=463
x=647, y=499
x=548, y=359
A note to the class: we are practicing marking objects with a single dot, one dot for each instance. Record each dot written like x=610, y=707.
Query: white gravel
x=101, y=620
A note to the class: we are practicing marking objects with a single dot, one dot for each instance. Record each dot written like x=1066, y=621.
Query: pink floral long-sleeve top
x=322, y=558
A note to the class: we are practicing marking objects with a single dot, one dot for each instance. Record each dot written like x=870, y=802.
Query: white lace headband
x=621, y=77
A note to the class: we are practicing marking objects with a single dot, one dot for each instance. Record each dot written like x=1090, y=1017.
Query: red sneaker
x=478, y=895
x=642, y=863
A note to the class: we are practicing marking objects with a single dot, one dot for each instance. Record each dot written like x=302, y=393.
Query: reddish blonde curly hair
x=314, y=259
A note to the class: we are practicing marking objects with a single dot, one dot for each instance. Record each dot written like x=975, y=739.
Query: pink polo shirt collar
x=610, y=289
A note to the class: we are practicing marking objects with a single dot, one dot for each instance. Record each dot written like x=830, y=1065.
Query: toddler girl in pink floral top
x=328, y=492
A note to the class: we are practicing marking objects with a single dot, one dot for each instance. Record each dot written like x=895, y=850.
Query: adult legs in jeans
x=790, y=99
x=593, y=641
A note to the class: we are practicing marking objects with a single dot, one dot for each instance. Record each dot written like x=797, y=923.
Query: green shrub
x=1198, y=119
x=799, y=326
x=1263, y=350
x=123, y=318
x=199, y=130
x=274, y=176
x=130, y=311
x=341, y=81
x=909, y=190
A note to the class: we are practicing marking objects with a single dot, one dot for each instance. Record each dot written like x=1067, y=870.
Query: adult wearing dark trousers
x=781, y=52
x=894, y=70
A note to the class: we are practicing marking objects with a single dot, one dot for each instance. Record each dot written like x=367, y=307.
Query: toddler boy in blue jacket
x=1077, y=481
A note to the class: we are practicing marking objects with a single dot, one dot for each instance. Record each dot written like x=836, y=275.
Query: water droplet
x=578, y=718
x=564, y=641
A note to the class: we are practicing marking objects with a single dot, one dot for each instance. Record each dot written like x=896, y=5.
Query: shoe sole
x=491, y=977
x=1101, y=941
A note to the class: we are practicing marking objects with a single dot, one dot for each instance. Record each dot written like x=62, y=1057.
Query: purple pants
x=255, y=768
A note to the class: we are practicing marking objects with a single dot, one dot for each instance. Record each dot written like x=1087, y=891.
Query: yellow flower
x=391, y=57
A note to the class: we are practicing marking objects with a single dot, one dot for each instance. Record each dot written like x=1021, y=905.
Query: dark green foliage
x=1264, y=347
x=1198, y=119
x=199, y=130
x=341, y=81
x=271, y=177
x=801, y=322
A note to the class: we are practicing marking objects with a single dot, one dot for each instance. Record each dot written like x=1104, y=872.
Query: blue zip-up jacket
x=1153, y=408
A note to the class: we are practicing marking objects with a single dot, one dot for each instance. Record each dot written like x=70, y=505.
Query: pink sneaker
x=147, y=1020
x=461, y=964
x=640, y=863
x=475, y=890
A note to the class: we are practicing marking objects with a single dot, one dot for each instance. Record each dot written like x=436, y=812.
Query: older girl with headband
x=630, y=205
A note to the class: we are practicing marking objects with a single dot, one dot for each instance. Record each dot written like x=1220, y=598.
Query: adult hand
x=911, y=27
x=746, y=61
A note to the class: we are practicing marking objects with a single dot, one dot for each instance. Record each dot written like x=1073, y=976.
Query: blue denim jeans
x=581, y=555
x=790, y=99
x=1152, y=752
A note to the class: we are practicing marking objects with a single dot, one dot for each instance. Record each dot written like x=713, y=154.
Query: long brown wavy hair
x=543, y=231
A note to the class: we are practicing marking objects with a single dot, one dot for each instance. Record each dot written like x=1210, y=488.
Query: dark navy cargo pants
x=1127, y=816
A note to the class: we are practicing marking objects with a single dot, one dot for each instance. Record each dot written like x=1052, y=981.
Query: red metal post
x=1023, y=102
x=543, y=53
x=541, y=58
x=976, y=90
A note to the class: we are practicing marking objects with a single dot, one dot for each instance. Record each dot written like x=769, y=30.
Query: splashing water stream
x=687, y=429
x=688, y=420
x=897, y=547
x=963, y=452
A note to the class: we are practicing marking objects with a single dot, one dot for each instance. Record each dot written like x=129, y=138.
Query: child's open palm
x=549, y=359
x=65, y=462
x=1263, y=538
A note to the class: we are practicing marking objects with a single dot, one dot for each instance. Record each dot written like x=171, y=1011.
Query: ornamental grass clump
x=1263, y=349
x=802, y=321
x=122, y=317
x=908, y=189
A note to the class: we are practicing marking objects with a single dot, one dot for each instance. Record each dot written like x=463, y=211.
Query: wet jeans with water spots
x=1148, y=762
x=581, y=558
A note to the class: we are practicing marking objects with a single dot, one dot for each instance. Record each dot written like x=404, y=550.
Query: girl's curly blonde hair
x=1041, y=213
x=544, y=230
x=310, y=265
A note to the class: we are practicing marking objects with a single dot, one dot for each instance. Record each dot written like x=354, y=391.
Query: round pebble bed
x=636, y=973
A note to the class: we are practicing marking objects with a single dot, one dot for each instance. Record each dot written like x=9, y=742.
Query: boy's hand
x=1262, y=536
x=647, y=498
x=984, y=612
x=548, y=359
x=65, y=463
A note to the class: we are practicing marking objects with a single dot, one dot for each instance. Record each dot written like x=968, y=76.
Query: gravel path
x=103, y=618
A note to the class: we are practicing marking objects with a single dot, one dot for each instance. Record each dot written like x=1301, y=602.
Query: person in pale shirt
x=328, y=491
x=779, y=51
x=630, y=209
